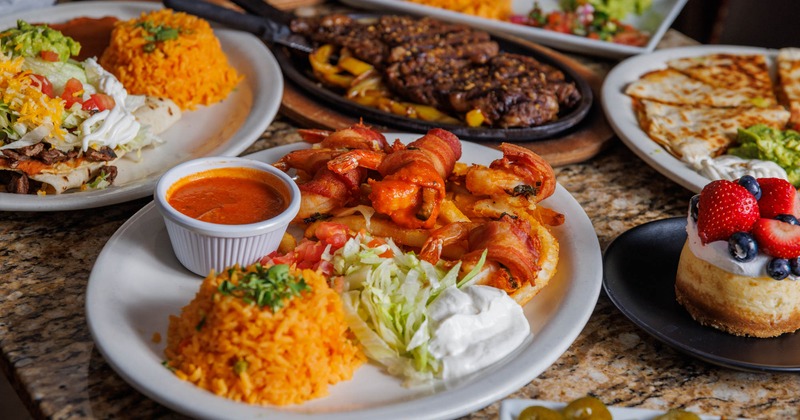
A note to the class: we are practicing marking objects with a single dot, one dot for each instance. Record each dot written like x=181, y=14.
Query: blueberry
x=750, y=184
x=794, y=264
x=778, y=268
x=787, y=218
x=742, y=247
x=693, y=205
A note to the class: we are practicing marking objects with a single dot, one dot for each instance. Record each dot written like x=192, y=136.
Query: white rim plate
x=656, y=21
x=137, y=283
x=226, y=128
x=620, y=115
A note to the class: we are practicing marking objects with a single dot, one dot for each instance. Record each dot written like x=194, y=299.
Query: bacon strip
x=328, y=190
x=509, y=243
x=413, y=183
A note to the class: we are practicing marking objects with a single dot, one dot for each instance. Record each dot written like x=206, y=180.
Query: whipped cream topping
x=716, y=253
x=731, y=167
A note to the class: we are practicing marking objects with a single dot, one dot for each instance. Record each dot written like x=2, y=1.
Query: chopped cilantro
x=316, y=216
x=240, y=366
x=158, y=33
x=266, y=287
x=525, y=190
x=166, y=364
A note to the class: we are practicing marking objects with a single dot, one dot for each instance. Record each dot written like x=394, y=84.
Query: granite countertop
x=50, y=358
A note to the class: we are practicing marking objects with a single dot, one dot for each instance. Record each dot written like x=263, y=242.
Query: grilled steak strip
x=451, y=67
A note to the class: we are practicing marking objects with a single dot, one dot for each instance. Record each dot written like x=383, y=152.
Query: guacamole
x=767, y=143
x=615, y=9
x=28, y=40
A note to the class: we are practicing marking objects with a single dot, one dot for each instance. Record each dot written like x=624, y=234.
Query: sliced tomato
x=49, y=56
x=99, y=102
x=44, y=84
x=73, y=92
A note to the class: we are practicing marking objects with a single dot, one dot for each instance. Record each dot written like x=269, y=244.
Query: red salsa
x=229, y=196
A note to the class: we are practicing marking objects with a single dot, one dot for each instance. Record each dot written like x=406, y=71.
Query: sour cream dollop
x=731, y=167
x=111, y=127
x=474, y=327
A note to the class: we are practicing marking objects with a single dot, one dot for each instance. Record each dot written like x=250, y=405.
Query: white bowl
x=202, y=246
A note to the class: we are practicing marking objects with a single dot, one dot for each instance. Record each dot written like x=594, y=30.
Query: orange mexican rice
x=247, y=352
x=491, y=9
x=170, y=54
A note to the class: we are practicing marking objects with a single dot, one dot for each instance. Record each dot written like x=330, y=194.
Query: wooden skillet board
x=584, y=141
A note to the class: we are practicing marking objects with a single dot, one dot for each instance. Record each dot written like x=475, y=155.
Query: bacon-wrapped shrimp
x=513, y=184
x=520, y=172
x=520, y=258
x=322, y=189
x=412, y=183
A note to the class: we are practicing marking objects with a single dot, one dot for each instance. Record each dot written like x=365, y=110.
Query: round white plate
x=137, y=283
x=620, y=115
x=656, y=20
x=226, y=128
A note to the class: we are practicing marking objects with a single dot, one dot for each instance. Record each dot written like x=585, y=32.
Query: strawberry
x=777, y=238
x=778, y=196
x=725, y=207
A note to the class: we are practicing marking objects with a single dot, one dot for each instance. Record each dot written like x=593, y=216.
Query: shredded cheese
x=25, y=98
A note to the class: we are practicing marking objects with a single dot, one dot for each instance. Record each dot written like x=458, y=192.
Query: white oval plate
x=226, y=128
x=620, y=115
x=137, y=283
x=656, y=21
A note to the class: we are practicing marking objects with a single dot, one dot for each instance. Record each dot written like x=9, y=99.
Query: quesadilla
x=789, y=76
x=671, y=86
x=692, y=133
x=747, y=74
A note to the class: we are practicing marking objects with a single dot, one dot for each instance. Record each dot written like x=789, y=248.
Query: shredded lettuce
x=58, y=73
x=386, y=300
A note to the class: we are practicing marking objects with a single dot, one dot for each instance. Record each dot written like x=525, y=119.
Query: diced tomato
x=274, y=258
x=376, y=242
x=334, y=234
x=309, y=251
x=326, y=269
x=99, y=102
x=49, y=56
x=44, y=84
x=73, y=92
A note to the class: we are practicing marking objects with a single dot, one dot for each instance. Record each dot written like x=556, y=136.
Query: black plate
x=639, y=277
x=297, y=69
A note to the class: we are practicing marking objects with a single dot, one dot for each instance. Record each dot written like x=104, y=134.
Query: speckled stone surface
x=50, y=358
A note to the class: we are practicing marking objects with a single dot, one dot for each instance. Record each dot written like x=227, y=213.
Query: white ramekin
x=203, y=246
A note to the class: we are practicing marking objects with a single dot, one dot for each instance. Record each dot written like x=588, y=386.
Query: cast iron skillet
x=271, y=26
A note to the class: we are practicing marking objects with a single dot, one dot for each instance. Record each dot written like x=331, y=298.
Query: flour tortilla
x=158, y=114
x=789, y=77
x=746, y=73
x=670, y=86
x=693, y=133
x=66, y=175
